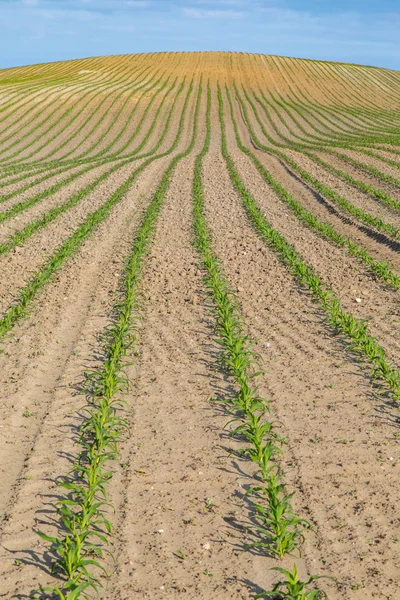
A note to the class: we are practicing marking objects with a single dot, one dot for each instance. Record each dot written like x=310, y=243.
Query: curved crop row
x=356, y=331
x=323, y=189
x=380, y=269
x=85, y=91
x=25, y=204
x=72, y=244
x=70, y=164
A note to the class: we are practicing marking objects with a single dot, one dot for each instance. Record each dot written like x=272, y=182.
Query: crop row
x=355, y=330
x=23, y=205
x=74, y=242
x=72, y=163
x=76, y=110
x=322, y=188
x=102, y=157
x=98, y=107
x=380, y=269
x=86, y=91
x=377, y=193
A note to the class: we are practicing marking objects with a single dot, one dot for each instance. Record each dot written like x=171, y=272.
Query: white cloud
x=221, y=2
x=196, y=13
x=65, y=15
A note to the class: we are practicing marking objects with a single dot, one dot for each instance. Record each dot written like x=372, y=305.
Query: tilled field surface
x=199, y=329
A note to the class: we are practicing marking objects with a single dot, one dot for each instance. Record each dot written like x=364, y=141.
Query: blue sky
x=360, y=31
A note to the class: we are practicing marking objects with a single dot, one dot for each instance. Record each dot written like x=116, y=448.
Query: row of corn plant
x=72, y=244
x=102, y=158
x=376, y=222
x=350, y=144
x=289, y=143
x=379, y=269
x=273, y=104
x=379, y=194
x=43, y=104
x=307, y=143
x=135, y=88
x=369, y=168
x=115, y=119
x=279, y=529
x=131, y=88
x=376, y=193
x=363, y=130
x=329, y=143
x=313, y=143
x=355, y=330
x=334, y=132
x=320, y=75
x=83, y=512
x=328, y=129
x=356, y=145
x=369, y=189
x=54, y=168
x=34, y=92
x=29, y=136
x=88, y=90
x=34, y=165
x=376, y=119
x=361, y=126
x=21, y=235
x=93, y=91
x=100, y=89
x=29, y=202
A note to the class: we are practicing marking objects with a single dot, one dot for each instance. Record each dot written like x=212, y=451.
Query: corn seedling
x=291, y=588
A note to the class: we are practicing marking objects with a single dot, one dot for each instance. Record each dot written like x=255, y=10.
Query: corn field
x=200, y=329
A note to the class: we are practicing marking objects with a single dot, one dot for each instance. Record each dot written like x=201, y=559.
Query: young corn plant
x=265, y=443
x=277, y=521
x=291, y=588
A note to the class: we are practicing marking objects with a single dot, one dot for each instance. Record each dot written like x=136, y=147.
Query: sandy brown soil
x=180, y=515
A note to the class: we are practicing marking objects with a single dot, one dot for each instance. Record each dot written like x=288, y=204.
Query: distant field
x=199, y=328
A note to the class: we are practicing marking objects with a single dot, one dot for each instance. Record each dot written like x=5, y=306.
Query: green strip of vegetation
x=83, y=511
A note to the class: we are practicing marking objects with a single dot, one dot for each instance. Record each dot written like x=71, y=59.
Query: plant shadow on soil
x=381, y=238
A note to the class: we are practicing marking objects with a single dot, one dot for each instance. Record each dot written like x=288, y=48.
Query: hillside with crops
x=200, y=329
